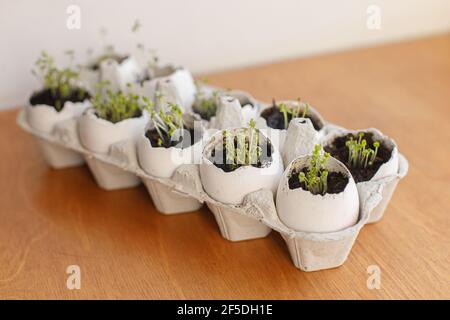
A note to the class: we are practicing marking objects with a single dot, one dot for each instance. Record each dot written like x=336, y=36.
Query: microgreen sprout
x=316, y=178
x=60, y=82
x=242, y=148
x=359, y=154
x=116, y=106
x=205, y=106
x=291, y=112
x=285, y=111
x=167, y=123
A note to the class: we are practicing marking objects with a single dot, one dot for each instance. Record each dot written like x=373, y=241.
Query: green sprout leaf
x=60, y=82
x=316, y=178
x=116, y=106
x=359, y=154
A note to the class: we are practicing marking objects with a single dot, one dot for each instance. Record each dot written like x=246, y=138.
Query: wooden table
x=50, y=219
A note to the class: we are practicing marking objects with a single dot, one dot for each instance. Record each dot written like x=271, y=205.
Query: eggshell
x=181, y=81
x=97, y=134
x=162, y=162
x=388, y=168
x=232, y=187
x=44, y=118
x=303, y=211
x=118, y=74
x=278, y=136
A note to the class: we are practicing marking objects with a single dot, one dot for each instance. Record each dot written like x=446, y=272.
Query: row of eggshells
x=297, y=208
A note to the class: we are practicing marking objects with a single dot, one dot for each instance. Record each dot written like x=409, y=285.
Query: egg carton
x=255, y=218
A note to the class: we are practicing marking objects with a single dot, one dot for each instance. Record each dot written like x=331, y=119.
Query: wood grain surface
x=50, y=219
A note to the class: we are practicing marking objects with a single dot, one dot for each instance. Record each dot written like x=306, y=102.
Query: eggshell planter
x=317, y=213
x=387, y=169
x=176, y=84
x=118, y=74
x=227, y=188
x=312, y=251
x=162, y=163
x=279, y=136
x=45, y=119
x=256, y=214
x=98, y=135
x=235, y=108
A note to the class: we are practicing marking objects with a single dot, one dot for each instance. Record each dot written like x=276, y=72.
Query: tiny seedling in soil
x=362, y=155
x=169, y=129
x=60, y=85
x=278, y=116
x=243, y=147
x=115, y=106
x=315, y=178
x=205, y=106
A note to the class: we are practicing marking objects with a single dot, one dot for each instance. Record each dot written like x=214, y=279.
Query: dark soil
x=47, y=97
x=336, y=182
x=153, y=136
x=96, y=65
x=204, y=115
x=207, y=116
x=275, y=118
x=264, y=161
x=339, y=150
x=137, y=114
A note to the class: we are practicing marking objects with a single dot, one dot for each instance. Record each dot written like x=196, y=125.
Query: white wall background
x=204, y=35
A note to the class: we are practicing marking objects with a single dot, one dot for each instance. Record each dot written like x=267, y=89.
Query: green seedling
x=229, y=148
x=285, y=111
x=254, y=150
x=359, y=154
x=293, y=111
x=205, y=106
x=60, y=82
x=167, y=123
x=242, y=148
x=316, y=178
x=116, y=106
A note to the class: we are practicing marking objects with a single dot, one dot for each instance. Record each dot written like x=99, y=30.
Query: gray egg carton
x=255, y=218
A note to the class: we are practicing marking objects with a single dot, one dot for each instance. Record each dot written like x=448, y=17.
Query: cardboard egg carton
x=256, y=217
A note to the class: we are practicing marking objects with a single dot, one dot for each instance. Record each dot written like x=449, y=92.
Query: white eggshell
x=278, y=136
x=44, y=118
x=162, y=162
x=232, y=187
x=119, y=74
x=97, y=134
x=388, y=168
x=182, y=81
x=303, y=211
